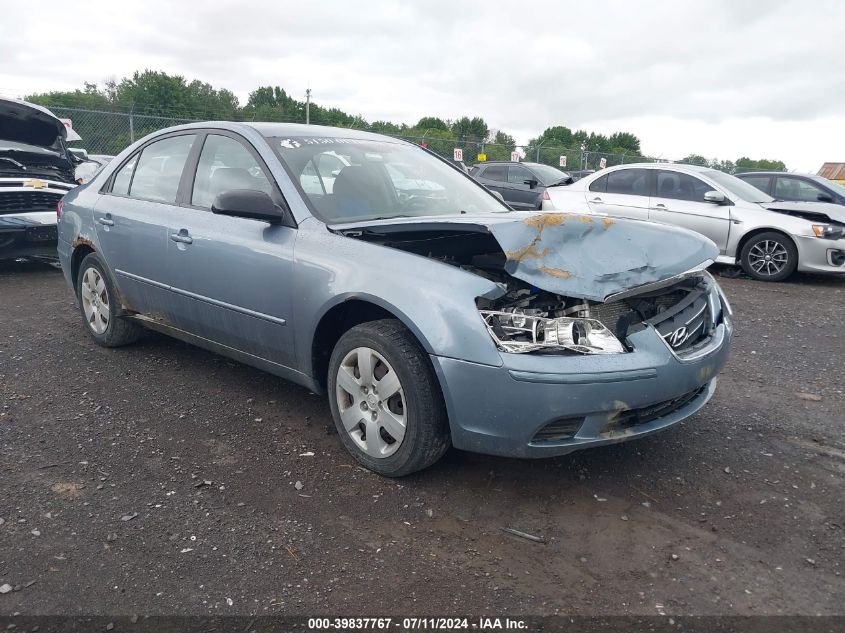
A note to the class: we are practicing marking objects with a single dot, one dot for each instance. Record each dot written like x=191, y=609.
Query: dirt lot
x=160, y=478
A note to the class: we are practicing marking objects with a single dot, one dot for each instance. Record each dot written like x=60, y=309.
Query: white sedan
x=770, y=239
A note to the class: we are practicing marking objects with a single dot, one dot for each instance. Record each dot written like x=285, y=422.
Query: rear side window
x=225, y=165
x=633, y=182
x=761, y=182
x=123, y=177
x=496, y=172
x=599, y=184
x=159, y=169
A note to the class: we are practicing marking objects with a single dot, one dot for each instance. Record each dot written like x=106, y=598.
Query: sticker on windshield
x=299, y=141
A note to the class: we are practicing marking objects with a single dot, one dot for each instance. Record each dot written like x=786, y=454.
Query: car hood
x=33, y=124
x=584, y=256
x=835, y=212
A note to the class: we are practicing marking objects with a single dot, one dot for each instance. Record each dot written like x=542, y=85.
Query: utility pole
x=308, y=106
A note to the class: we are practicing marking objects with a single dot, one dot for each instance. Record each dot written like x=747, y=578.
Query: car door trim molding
x=203, y=298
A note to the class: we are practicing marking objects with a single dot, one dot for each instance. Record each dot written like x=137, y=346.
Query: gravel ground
x=162, y=479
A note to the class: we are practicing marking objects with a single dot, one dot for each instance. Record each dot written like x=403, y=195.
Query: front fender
x=434, y=300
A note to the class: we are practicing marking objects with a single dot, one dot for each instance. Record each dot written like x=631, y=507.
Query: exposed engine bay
x=527, y=318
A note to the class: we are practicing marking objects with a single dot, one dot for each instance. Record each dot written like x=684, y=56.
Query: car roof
x=777, y=173
x=293, y=130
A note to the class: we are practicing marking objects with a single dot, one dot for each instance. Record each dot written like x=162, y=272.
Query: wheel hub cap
x=95, y=301
x=371, y=402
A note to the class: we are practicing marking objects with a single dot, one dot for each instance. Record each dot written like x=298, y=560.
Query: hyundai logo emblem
x=678, y=337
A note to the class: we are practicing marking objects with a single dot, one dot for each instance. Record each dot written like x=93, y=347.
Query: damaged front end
x=572, y=284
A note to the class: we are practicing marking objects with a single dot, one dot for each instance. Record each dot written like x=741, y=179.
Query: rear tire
x=100, y=305
x=769, y=256
x=404, y=427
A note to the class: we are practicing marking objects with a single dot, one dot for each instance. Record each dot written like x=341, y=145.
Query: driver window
x=518, y=175
x=795, y=189
x=224, y=165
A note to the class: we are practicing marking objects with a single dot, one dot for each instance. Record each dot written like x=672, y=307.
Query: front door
x=679, y=200
x=232, y=275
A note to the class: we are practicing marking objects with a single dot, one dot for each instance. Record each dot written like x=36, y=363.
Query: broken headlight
x=521, y=332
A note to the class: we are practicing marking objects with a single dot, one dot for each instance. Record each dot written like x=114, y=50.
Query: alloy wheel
x=371, y=402
x=768, y=257
x=95, y=301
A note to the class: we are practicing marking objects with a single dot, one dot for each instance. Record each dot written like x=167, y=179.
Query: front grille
x=686, y=324
x=559, y=430
x=634, y=417
x=14, y=201
x=680, y=313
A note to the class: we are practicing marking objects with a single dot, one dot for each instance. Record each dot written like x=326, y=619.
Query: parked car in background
x=522, y=185
x=429, y=318
x=578, y=174
x=798, y=187
x=769, y=238
x=91, y=165
x=36, y=170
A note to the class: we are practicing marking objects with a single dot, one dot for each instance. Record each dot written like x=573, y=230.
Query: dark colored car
x=581, y=173
x=522, y=185
x=798, y=187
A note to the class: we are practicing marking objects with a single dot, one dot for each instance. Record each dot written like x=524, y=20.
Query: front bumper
x=28, y=234
x=818, y=255
x=610, y=398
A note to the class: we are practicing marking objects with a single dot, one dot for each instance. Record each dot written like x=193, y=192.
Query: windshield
x=737, y=187
x=830, y=184
x=378, y=179
x=548, y=175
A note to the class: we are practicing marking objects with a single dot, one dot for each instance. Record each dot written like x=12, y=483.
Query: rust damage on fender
x=82, y=241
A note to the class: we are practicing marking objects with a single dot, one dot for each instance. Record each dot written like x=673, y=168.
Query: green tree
x=696, y=159
x=431, y=123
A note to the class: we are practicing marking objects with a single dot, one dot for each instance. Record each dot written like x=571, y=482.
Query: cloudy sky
x=722, y=78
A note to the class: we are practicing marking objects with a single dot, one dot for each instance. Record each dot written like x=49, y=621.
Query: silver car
x=769, y=238
x=430, y=316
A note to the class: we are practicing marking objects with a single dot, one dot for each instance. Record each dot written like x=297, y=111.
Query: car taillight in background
x=58, y=210
x=546, y=195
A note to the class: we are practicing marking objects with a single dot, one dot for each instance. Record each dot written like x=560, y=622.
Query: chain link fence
x=106, y=132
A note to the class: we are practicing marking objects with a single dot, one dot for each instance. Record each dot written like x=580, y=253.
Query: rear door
x=763, y=183
x=495, y=178
x=232, y=276
x=679, y=200
x=622, y=193
x=131, y=220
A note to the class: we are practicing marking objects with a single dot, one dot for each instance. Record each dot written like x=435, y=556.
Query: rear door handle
x=106, y=221
x=596, y=200
x=182, y=238
x=660, y=207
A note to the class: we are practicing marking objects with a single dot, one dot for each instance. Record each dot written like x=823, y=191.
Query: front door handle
x=106, y=221
x=182, y=238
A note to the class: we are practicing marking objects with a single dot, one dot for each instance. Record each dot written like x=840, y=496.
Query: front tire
x=100, y=306
x=769, y=256
x=385, y=399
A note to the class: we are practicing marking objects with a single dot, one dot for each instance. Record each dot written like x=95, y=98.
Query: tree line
x=153, y=97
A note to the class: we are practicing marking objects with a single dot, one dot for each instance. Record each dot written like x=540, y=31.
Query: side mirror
x=716, y=197
x=532, y=183
x=247, y=203
x=497, y=194
x=823, y=197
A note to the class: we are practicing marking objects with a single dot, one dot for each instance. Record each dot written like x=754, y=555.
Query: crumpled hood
x=833, y=211
x=584, y=256
x=30, y=123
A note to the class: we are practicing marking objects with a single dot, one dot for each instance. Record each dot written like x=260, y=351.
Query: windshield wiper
x=12, y=160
